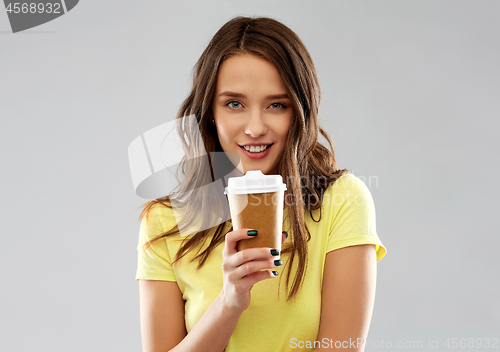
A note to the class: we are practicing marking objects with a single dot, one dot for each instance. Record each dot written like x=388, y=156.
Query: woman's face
x=251, y=107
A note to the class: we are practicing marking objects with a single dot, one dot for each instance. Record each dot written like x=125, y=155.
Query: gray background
x=410, y=97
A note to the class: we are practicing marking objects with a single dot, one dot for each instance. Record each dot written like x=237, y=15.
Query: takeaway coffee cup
x=256, y=202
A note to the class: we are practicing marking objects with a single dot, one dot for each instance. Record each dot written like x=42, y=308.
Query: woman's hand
x=243, y=269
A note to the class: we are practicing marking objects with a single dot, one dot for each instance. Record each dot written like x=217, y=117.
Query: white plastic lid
x=255, y=182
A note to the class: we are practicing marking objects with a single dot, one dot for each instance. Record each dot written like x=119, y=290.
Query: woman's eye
x=234, y=104
x=277, y=105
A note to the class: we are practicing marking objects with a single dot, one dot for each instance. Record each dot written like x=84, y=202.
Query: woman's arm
x=162, y=305
x=162, y=311
x=162, y=321
x=347, y=297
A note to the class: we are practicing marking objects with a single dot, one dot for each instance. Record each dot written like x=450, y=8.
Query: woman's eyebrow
x=239, y=95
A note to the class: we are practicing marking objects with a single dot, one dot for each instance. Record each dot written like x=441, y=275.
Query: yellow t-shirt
x=270, y=323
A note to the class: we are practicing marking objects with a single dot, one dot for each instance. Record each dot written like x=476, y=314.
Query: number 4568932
x=25, y=7
x=471, y=343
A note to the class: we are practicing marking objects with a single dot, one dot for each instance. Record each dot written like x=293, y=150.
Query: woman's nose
x=255, y=125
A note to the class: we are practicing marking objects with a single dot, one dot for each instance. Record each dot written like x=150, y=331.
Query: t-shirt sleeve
x=154, y=263
x=353, y=215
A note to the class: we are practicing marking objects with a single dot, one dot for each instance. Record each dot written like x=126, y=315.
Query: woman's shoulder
x=175, y=219
x=159, y=211
x=157, y=218
x=348, y=189
x=347, y=183
x=351, y=210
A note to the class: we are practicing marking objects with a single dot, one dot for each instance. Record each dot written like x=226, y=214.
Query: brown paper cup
x=262, y=212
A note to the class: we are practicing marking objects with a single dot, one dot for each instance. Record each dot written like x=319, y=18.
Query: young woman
x=255, y=84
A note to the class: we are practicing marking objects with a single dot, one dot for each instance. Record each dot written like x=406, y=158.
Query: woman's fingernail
x=278, y=262
x=275, y=273
x=286, y=234
x=275, y=252
x=252, y=232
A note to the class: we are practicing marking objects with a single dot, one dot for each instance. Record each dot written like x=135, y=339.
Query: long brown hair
x=307, y=167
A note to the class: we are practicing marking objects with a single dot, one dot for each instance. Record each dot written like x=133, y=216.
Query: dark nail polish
x=275, y=273
x=278, y=262
x=252, y=232
x=275, y=252
x=286, y=234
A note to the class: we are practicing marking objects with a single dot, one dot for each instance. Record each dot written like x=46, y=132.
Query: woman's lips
x=258, y=155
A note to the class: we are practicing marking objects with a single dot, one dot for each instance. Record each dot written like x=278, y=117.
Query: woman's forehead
x=246, y=73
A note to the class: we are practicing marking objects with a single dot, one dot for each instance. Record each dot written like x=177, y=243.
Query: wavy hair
x=307, y=166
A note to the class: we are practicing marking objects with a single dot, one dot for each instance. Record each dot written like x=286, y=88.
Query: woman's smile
x=257, y=152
